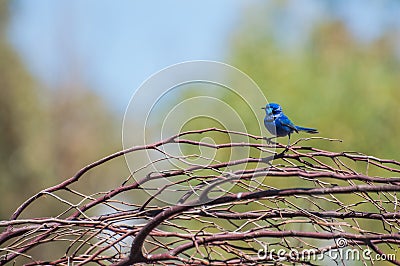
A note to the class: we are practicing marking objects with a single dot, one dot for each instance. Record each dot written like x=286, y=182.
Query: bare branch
x=261, y=206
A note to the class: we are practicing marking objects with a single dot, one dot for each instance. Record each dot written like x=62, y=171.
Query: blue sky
x=114, y=46
x=117, y=46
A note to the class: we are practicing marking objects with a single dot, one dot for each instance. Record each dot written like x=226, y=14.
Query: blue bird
x=279, y=124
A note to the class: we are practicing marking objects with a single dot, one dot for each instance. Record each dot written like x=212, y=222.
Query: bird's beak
x=263, y=108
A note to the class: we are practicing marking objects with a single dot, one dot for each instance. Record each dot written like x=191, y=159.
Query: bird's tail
x=308, y=130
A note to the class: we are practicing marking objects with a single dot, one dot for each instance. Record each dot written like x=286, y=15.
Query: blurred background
x=69, y=68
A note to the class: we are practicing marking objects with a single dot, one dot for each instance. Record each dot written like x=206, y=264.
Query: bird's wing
x=286, y=122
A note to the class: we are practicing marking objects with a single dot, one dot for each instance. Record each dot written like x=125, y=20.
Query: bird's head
x=272, y=109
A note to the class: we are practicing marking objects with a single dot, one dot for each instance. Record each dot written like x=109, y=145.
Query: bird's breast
x=269, y=118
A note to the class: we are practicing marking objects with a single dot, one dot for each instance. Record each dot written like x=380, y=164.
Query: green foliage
x=47, y=135
x=346, y=89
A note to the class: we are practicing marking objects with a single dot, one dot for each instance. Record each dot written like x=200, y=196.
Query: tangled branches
x=295, y=205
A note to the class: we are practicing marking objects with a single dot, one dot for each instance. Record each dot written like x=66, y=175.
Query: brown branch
x=289, y=198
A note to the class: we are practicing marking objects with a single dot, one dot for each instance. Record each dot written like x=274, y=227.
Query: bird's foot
x=269, y=140
x=286, y=148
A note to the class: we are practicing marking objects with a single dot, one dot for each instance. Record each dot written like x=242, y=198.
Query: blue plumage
x=279, y=125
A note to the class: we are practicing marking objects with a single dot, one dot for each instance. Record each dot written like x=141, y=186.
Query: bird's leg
x=269, y=140
x=288, y=144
